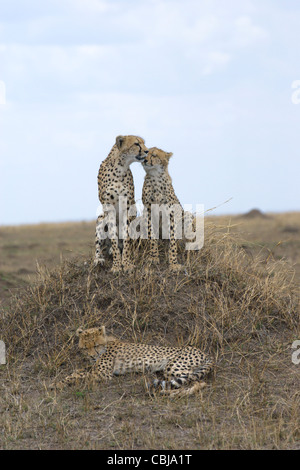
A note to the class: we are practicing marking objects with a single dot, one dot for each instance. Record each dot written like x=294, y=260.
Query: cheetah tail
x=184, y=392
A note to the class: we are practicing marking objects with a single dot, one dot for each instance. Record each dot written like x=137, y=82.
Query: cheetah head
x=156, y=161
x=132, y=148
x=92, y=338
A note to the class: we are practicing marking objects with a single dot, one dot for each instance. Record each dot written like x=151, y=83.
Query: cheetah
x=115, y=179
x=158, y=189
x=113, y=357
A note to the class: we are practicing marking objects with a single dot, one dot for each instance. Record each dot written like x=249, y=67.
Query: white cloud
x=203, y=79
x=92, y=6
x=149, y=46
x=246, y=33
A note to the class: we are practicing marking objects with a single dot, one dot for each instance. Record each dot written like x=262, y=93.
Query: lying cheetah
x=115, y=357
x=158, y=189
x=115, y=180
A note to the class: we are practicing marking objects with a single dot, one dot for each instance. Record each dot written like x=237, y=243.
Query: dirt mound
x=255, y=213
x=230, y=305
x=222, y=295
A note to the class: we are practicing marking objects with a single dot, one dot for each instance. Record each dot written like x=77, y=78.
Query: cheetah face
x=156, y=161
x=89, y=339
x=132, y=148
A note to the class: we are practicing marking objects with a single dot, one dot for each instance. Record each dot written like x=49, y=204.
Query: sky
x=215, y=82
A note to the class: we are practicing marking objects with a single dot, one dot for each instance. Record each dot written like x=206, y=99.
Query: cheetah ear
x=102, y=330
x=79, y=331
x=169, y=155
x=120, y=141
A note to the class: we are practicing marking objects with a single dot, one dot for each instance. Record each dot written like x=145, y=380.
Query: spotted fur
x=158, y=189
x=114, y=180
x=180, y=366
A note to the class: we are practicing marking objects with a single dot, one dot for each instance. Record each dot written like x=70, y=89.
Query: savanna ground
x=238, y=300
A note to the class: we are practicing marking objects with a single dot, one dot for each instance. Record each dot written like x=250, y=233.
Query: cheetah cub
x=113, y=357
x=115, y=179
x=158, y=189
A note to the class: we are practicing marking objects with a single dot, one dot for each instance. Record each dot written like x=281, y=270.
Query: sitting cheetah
x=115, y=180
x=158, y=189
x=115, y=357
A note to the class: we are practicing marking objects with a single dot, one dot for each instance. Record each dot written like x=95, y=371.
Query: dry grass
x=240, y=307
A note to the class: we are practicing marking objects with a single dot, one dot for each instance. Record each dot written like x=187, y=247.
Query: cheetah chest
x=158, y=192
x=114, y=187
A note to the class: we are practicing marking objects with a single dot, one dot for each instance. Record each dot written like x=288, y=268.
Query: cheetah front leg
x=102, y=371
x=115, y=249
x=174, y=266
x=70, y=379
x=153, y=241
x=117, y=260
x=99, y=241
x=128, y=266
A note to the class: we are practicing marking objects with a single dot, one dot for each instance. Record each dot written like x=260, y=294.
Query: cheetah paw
x=116, y=269
x=128, y=268
x=176, y=268
x=99, y=262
